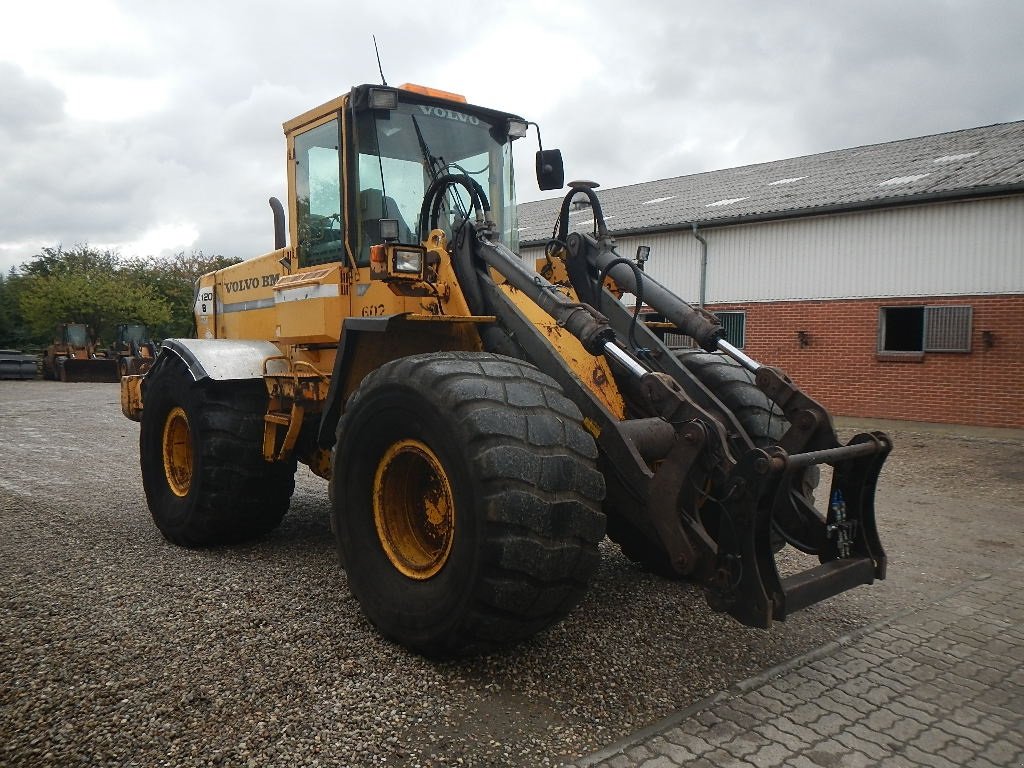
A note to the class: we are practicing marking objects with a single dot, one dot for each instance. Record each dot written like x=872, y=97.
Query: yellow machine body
x=303, y=310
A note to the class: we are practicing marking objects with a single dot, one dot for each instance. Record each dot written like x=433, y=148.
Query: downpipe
x=702, y=295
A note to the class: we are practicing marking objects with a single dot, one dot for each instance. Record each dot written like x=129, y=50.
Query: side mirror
x=550, y=172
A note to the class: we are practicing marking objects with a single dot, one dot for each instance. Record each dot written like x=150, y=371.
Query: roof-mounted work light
x=383, y=98
x=517, y=129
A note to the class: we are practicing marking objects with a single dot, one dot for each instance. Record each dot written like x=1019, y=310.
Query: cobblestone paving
x=941, y=687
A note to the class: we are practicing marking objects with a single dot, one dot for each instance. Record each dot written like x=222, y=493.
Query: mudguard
x=224, y=359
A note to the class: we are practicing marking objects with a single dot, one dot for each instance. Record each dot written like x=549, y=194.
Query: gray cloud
x=27, y=107
x=630, y=91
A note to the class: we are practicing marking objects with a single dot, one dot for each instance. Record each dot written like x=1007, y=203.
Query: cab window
x=321, y=236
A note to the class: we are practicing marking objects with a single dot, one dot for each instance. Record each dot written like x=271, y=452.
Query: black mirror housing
x=550, y=171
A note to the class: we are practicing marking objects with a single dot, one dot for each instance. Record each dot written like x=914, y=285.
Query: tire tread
x=541, y=491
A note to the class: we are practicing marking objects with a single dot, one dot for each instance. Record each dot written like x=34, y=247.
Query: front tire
x=466, y=501
x=763, y=420
x=200, y=446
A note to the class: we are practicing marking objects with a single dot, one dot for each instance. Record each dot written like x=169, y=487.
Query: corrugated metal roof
x=965, y=163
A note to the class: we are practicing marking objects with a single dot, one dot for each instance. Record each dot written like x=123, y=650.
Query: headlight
x=409, y=262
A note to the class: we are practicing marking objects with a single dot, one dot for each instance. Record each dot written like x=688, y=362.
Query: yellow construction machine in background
x=73, y=357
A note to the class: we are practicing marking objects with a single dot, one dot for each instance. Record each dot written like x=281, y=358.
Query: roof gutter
x=1002, y=190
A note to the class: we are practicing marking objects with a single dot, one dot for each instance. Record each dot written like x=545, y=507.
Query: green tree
x=80, y=259
x=101, y=301
x=85, y=285
x=101, y=288
x=13, y=331
x=174, y=279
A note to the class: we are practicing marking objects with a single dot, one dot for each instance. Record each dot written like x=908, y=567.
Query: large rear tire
x=200, y=446
x=466, y=501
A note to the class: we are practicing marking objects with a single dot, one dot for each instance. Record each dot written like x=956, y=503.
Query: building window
x=735, y=325
x=924, y=329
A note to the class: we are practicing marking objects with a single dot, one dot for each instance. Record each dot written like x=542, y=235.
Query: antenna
x=379, y=67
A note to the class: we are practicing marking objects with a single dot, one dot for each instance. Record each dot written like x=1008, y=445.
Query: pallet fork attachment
x=746, y=582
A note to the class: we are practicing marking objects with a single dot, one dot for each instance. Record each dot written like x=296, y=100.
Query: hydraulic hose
x=639, y=294
x=434, y=196
x=595, y=204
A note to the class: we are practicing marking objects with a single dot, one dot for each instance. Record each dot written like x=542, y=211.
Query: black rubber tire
x=763, y=421
x=526, y=491
x=234, y=495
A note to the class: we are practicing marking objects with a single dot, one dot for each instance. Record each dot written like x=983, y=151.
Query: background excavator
x=483, y=422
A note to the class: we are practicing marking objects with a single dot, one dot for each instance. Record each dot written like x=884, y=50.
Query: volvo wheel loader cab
x=482, y=423
x=72, y=357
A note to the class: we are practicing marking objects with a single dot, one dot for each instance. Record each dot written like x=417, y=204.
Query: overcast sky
x=154, y=127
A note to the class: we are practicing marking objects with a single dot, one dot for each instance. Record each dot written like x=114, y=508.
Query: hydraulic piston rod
x=591, y=329
x=736, y=354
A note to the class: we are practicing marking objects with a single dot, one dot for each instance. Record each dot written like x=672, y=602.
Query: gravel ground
x=117, y=648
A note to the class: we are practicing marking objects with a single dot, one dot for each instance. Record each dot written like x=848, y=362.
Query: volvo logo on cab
x=449, y=114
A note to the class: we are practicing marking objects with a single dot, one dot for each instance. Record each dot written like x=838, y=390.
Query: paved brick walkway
x=941, y=687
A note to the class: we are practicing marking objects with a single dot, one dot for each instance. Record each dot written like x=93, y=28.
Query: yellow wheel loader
x=482, y=422
x=73, y=357
x=133, y=349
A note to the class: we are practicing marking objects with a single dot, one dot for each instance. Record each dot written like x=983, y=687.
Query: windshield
x=76, y=335
x=135, y=333
x=401, y=152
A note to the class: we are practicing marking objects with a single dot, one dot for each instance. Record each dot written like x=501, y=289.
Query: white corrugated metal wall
x=936, y=249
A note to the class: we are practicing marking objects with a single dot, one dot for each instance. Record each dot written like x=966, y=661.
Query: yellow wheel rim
x=177, y=450
x=414, y=509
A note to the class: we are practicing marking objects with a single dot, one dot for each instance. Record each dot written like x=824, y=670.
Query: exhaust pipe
x=279, y=237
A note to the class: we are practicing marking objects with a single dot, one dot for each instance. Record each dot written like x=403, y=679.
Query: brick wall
x=841, y=368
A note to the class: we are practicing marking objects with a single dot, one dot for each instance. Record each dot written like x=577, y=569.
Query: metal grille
x=947, y=329
x=734, y=324
x=679, y=341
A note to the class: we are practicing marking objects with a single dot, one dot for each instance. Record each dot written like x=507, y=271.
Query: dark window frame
x=941, y=328
x=740, y=317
